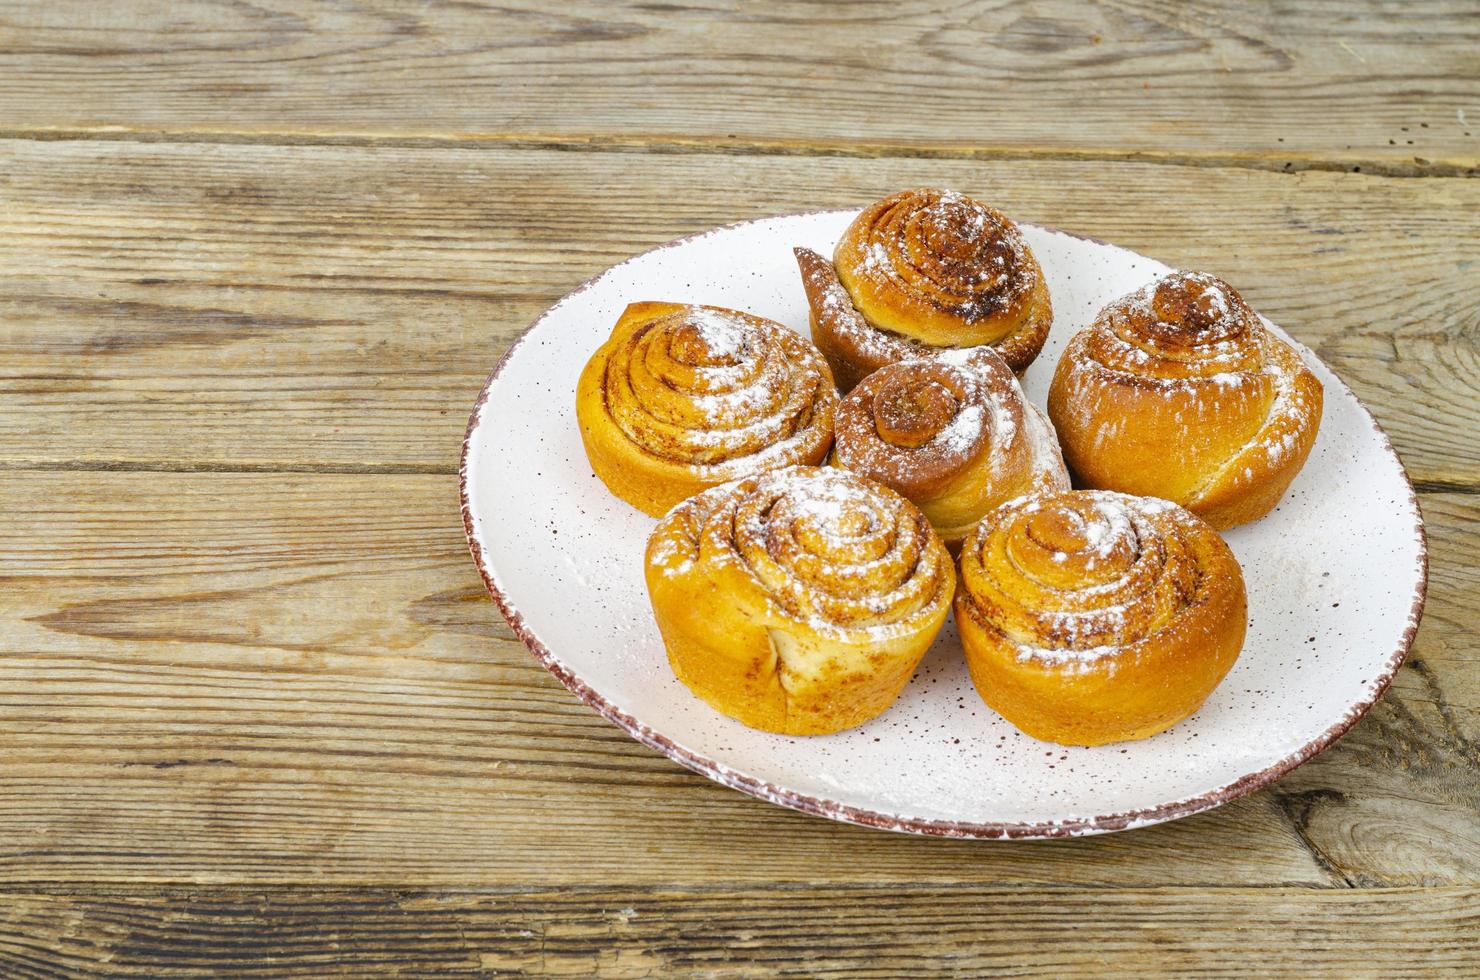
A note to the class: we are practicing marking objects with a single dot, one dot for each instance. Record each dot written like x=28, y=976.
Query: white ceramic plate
x=1335, y=577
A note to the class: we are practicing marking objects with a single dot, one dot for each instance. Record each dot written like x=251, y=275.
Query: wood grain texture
x=273, y=678
x=257, y=714
x=1400, y=804
x=1373, y=84
x=333, y=308
x=807, y=931
x=279, y=678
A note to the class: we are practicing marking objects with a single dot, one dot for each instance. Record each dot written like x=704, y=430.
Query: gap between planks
x=384, y=469
x=206, y=466
x=662, y=143
x=82, y=888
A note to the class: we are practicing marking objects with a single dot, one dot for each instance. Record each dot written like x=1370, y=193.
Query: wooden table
x=258, y=713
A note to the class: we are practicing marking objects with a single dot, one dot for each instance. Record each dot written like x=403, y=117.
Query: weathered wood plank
x=227, y=677
x=809, y=931
x=332, y=307
x=1333, y=83
x=277, y=678
x=1398, y=801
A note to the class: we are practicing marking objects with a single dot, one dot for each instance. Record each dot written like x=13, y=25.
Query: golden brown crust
x=682, y=398
x=952, y=433
x=853, y=349
x=920, y=271
x=1178, y=391
x=1090, y=616
x=937, y=267
x=798, y=601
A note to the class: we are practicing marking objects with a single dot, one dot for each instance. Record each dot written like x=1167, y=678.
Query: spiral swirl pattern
x=1178, y=390
x=952, y=433
x=1089, y=616
x=913, y=424
x=798, y=601
x=837, y=554
x=707, y=386
x=943, y=250
x=930, y=252
x=682, y=398
x=922, y=272
x=1078, y=576
x=1184, y=326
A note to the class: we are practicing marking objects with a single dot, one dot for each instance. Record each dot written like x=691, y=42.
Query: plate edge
x=845, y=813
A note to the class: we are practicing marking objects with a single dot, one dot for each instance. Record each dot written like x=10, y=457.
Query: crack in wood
x=659, y=143
x=1297, y=808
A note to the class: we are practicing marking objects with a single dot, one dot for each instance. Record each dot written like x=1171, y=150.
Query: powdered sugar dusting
x=984, y=402
x=718, y=390
x=947, y=249
x=962, y=432
x=1216, y=300
x=914, y=776
x=1132, y=553
x=1192, y=355
x=922, y=271
x=671, y=553
x=1113, y=524
x=1043, y=446
x=825, y=551
x=929, y=427
x=1080, y=660
x=723, y=334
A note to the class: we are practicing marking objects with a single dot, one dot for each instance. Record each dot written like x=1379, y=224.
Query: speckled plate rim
x=726, y=776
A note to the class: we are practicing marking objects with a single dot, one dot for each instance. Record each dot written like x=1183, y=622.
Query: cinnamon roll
x=683, y=398
x=1179, y=391
x=921, y=271
x=1089, y=616
x=798, y=601
x=952, y=433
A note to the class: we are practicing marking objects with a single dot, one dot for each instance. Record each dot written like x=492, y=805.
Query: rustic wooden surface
x=257, y=715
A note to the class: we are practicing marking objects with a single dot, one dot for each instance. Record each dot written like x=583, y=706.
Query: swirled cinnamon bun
x=1179, y=391
x=798, y=601
x=919, y=272
x=953, y=433
x=683, y=398
x=1089, y=616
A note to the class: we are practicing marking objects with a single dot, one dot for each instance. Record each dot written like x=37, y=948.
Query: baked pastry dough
x=920, y=271
x=683, y=398
x=798, y=601
x=1089, y=616
x=1179, y=391
x=952, y=433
